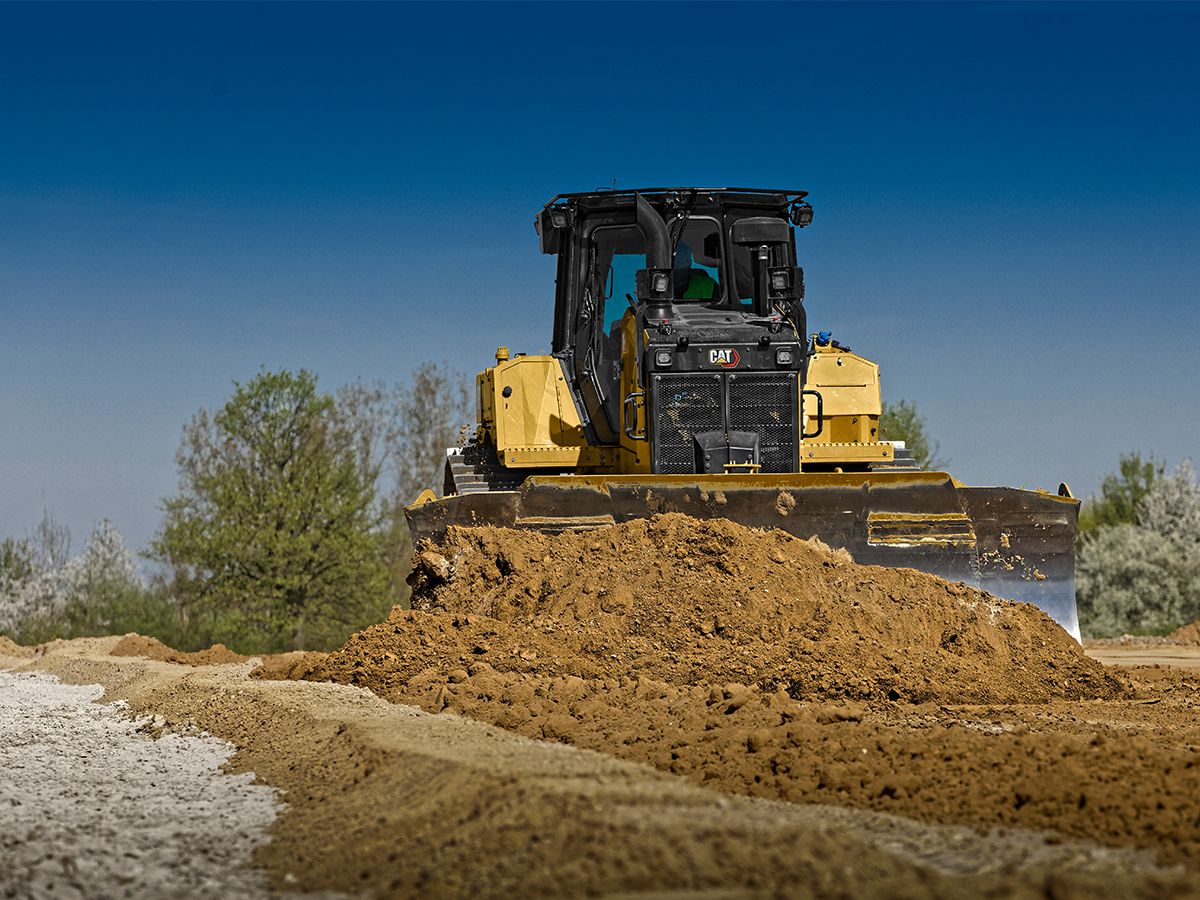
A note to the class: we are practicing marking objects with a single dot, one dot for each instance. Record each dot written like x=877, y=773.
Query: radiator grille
x=683, y=405
x=767, y=404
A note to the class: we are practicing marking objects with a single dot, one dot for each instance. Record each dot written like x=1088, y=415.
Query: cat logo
x=726, y=359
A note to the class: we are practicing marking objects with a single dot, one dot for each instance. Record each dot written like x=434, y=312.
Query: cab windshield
x=619, y=251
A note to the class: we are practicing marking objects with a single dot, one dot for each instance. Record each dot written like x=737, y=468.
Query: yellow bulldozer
x=682, y=378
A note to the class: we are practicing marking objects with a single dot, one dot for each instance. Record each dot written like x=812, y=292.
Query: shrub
x=1144, y=576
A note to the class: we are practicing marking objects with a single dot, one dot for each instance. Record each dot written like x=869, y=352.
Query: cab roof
x=705, y=196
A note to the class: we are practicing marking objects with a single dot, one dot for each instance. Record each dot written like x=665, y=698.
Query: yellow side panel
x=848, y=383
x=537, y=423
x=849, y=388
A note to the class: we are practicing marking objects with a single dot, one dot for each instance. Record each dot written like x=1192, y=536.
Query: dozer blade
x=1016, y=544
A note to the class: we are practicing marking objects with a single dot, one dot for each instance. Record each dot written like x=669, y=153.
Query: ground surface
x=90, y=803
x=387, y=800
x=673, y=707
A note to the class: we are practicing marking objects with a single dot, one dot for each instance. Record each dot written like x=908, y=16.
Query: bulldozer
x=682, y=378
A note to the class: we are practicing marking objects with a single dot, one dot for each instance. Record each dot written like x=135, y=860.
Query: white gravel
x=93, y=806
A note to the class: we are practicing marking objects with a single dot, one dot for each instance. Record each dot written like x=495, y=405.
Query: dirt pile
x=692, y=602
x=1189, y=634
x=152, y=648
x=10, y=648
x=1186, y=636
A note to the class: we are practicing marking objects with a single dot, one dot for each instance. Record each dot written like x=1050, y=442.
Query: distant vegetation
x=1138, y=569
x=900, y=421
x=287, y=530
x=46, y=592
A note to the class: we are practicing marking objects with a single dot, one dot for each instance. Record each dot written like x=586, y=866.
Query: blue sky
x=1007, y=199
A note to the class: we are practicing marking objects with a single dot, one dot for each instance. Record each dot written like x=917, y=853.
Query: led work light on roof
x=801, y=215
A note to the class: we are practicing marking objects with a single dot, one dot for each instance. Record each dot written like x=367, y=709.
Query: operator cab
x=704, y=281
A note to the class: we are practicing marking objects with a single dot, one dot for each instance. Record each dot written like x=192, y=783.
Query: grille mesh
x=766, y=404
x=684, y=405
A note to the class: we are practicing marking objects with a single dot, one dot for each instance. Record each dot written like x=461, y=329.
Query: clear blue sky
x=1007, y=208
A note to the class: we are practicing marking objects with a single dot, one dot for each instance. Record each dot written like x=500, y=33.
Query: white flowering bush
x=1145, y=577
x=43, y=590
x=1172, y=506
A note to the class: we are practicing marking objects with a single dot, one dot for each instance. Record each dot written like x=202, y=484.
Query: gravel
x=93, y=804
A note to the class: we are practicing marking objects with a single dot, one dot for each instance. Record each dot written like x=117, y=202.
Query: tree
x=401, y=437
x=273, y=537
x=31, y=574
x=1143, y=575
x=16, y=559
x=1121, y=492
x=402, y=433
x=1171, y=506
x=44, y=595
x=433, y=408
x=900, y=421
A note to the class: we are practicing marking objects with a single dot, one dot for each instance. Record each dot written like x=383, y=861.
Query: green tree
x=16, y=559
x=273, y=539
x=1121, y=493
x=900, y=421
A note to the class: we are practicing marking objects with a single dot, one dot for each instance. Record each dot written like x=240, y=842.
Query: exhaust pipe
x=658, y=238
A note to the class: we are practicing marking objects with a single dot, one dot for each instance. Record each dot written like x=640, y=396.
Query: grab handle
x=820, y=414
x=630, y=415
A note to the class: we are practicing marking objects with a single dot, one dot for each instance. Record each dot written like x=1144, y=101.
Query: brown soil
x=389, y=802
x=1188, y=634
x=759, y=664
x=10, y=648
x=694, y=602
x=152, y=648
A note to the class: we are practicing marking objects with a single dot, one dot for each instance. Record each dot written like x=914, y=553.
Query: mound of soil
x=153, y=648
x=8, y=647
x=1188, y=634
x=691, y=602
